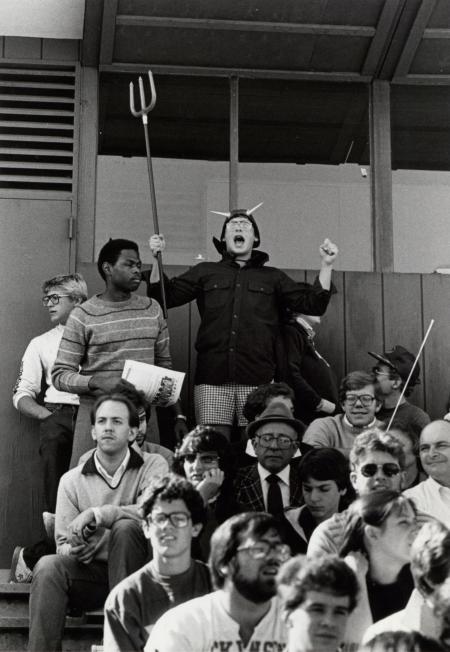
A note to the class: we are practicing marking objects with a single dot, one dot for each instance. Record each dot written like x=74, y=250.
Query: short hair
x=203, y=439
x=73, y=284
x=110, y=252
x=257, y=400
x=327, y=573
x=173, y=487
x=374, y=439
x=136, y=397
x=430, y=556
x=371, y=509
x=229, y=535
x=358, y=380
x=118, y=397
x=402, y=641
x=325, y=464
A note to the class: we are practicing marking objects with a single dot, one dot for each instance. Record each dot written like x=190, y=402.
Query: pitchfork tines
x=145, y=109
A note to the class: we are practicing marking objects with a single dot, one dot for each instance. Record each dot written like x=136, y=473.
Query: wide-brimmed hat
x=276, y=412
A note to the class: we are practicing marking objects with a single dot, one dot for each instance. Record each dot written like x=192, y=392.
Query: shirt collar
x=353, y=428
x=283, y=474
x=134, y=462
x=118, y=473
x=435, y=485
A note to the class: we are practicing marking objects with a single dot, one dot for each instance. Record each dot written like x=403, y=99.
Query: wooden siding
x=371, y=311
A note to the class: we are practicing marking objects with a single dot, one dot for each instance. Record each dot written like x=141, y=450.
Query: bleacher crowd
x=297, y=514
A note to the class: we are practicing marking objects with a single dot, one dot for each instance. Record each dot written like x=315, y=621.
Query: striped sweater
x=100, y=335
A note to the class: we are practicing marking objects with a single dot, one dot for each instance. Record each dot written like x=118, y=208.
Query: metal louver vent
x=37, y=128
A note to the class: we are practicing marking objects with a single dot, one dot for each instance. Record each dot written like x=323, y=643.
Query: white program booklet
x=161, y=386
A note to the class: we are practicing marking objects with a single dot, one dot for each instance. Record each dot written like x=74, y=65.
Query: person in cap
x=392, y=371
x=273, y=483
x=432, y=496
x=240, y=301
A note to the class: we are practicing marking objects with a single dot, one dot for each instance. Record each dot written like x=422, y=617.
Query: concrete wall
x=302, y=205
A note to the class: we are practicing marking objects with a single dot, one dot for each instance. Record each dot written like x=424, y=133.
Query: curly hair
x=173, y=487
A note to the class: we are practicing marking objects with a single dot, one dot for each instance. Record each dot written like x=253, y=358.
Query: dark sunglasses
x=389, y=469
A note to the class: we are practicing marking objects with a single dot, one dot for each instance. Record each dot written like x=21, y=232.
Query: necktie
x=274, y=499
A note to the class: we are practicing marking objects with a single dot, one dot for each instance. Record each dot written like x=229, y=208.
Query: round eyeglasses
x=261, y=550
x=177, y=519
x=282, y=441
x=53, y=299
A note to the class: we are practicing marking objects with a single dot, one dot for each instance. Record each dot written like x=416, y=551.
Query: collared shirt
x=284, y=484
x=112, y=480
x=432, y=498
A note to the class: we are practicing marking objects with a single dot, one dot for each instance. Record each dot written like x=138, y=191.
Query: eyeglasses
x=245, y=225
x=53, y=299
x=177, y=519
x=389, y=469
x=282, y=441
x=261, y=550
x=204, y=459
x=364, y=399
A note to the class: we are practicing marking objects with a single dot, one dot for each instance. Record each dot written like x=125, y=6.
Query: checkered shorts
x=218, y=404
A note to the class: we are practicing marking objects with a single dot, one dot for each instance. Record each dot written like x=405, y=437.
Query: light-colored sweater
x=334, y=432
x=83, y=487
x=100, y=335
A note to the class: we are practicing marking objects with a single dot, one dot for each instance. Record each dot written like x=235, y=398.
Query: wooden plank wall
x=369, y=312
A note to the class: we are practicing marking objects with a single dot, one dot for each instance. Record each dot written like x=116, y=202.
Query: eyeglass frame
x=168, y=518
x=50, y=299
x=285, y=554
x=352, y=399
x=244, y=223
x=382, y=467
x=276, y=437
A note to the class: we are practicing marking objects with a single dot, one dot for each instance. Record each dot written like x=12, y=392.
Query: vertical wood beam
x=234, y=144
x=87, y=165
x=381, y=177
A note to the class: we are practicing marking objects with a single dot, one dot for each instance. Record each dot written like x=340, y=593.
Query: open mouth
x=239, y=239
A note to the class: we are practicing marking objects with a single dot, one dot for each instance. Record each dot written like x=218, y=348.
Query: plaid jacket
x=248, y=491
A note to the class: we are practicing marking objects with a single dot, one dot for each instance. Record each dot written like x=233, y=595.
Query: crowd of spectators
x=300, y=515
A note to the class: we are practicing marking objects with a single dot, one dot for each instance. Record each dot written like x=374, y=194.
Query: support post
x=234, y=144
x=381, y=177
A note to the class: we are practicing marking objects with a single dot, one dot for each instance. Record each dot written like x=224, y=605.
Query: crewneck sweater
x=100, y=335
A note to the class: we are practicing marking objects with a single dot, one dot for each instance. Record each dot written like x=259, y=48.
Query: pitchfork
x=145, y=109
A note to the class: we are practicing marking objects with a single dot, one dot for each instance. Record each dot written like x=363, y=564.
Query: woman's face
x=196, y=464
x=398, y=532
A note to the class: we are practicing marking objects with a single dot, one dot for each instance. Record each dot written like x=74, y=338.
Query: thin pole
x=410, y=374
x=234, y=144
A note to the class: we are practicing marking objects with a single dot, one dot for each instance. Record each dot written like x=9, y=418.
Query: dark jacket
x=302, y=367
x=248, y=491
x=240, y=311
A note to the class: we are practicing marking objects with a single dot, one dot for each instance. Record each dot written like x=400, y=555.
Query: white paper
x=161, y=386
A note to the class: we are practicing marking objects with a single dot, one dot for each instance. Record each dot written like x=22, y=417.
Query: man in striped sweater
x=106, y=330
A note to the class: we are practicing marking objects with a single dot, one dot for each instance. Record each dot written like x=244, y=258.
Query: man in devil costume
x=240, y=300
